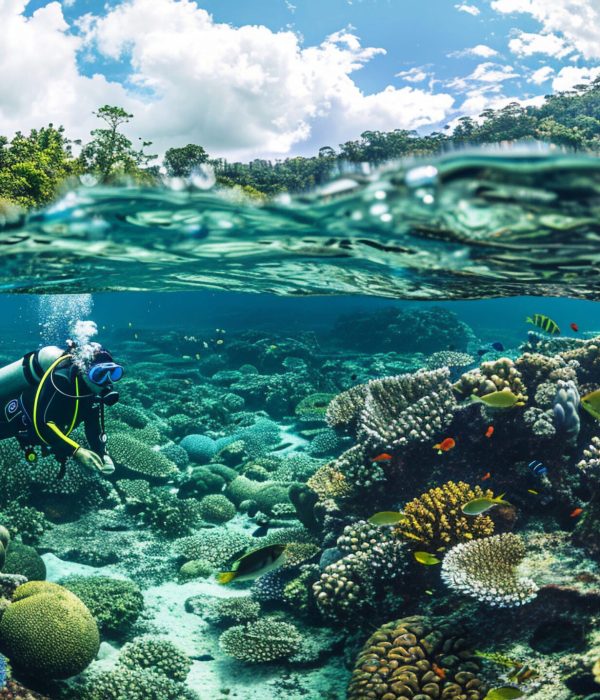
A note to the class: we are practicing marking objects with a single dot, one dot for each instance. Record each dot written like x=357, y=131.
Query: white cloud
x=487, y=77
x=541, y=75
x=413, y=75
x=238, y=91
x=569, y=76
x=469, y=9
x=577, y=21
x=481, y=51
x=527, y=44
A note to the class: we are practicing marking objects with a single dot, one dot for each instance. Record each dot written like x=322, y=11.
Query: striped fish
x=545, y=323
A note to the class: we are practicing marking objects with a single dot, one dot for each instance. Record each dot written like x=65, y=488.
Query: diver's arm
x=94, y=434
x=62, y=445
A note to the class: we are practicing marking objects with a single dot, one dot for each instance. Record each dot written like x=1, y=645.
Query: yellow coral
x=435, y=518
x=329, y=482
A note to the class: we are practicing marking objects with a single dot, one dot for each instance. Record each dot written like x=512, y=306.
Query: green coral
x=233, y=611
x=24, y=560
x=158, y=655
x=124, y=683
x=216, y=508
x=48, y=631
x=197, y=568
x=25, y=521
x=115, y=603
x=267, y=639
x=217, y=547
x=138, y=457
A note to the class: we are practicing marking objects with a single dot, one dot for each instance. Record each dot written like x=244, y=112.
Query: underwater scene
x=343, y=445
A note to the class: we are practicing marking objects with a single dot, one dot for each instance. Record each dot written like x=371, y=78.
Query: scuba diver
x=46, y=394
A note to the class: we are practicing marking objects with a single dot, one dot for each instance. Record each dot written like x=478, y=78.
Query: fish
x=500, y=399
x=576, y=513
x=426, y=558
x=387, y=517
x=429, y=592
x=481, y=505
x=383, y=457
x=591, y=403
x=506, y=692
x=439, y=672
x=498, y=346
x=254, y=563
x=486, y=476
x=533, y=492
x=538, y=468
x=522, y=673
x=545, y=323
x=490, y=431
x=574, y=327
x=445, y=445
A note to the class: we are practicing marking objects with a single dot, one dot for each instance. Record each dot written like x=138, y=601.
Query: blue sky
x=277, y=77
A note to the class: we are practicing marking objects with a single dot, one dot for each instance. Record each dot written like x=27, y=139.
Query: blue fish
x=538, y=468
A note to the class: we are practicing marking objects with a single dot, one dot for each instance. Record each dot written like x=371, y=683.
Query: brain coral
x=486, y=569
x=115, y=603
x=48, y=631
x=137, y=457
x=435, y=518
x=399, y=662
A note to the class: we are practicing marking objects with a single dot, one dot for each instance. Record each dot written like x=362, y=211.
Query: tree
x=33, y=167
x=111, y=154
x=181, y=162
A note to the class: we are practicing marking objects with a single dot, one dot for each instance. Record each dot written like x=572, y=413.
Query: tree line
x=34, y=167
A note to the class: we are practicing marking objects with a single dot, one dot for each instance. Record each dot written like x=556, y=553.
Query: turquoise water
x=240, y=328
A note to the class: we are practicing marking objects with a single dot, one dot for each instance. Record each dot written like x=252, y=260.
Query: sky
x=273, y=78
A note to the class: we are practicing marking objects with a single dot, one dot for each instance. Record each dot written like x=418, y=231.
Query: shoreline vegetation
x=34, y=167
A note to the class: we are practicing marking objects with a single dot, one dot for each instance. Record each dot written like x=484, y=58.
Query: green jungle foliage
x=33, y=168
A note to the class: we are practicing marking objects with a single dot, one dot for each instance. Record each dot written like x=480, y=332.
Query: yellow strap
x=76, y=406
x=55, y=429
x=39, y=391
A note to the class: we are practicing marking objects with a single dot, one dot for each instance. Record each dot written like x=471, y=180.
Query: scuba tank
x=29, y=370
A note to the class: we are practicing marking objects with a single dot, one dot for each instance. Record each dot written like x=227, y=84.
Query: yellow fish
x=387, y=517
x=254, y=564
x=507, y=692
x=500, y=399
x=480, y=505
x=545, y=323
x=426, y=558
x=591, y=403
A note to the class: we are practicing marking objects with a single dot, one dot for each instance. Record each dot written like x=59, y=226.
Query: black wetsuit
x=46, y=416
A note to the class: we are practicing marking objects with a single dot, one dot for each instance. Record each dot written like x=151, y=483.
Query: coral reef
x=413, y=658
x=267, y=639
x=486, y=569
x=158, y=655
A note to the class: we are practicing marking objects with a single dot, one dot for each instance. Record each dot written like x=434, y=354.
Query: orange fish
x=576, y=513
x=486, y=476
x=383, y=457
x=574, y=327
x=444, y=445
x=439, y=672
x=490, y=431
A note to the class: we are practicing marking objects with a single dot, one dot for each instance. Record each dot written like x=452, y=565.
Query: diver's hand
x=108, y=465
x=88, y=459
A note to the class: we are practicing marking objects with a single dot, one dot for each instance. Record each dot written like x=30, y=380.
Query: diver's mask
x=100, y=378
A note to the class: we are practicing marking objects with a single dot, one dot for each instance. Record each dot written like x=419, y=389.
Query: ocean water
x=291, y=370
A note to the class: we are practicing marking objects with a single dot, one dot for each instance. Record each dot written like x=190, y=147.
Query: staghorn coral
x=435, y=518
x=406, y=408
x=399, y=662
x=486, y=569
x=491, y=376
x=344, y=410
x=267, y=639
x=350, y=587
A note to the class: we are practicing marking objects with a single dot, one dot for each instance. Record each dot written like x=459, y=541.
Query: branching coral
x=344, y=410
x=435, y=518
x=410, y=658
x=329, y=482
x=486, y=569
x=374, y=561
x=406, y=408
x=267, y=639
x=590, y=464
x=158, y=655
